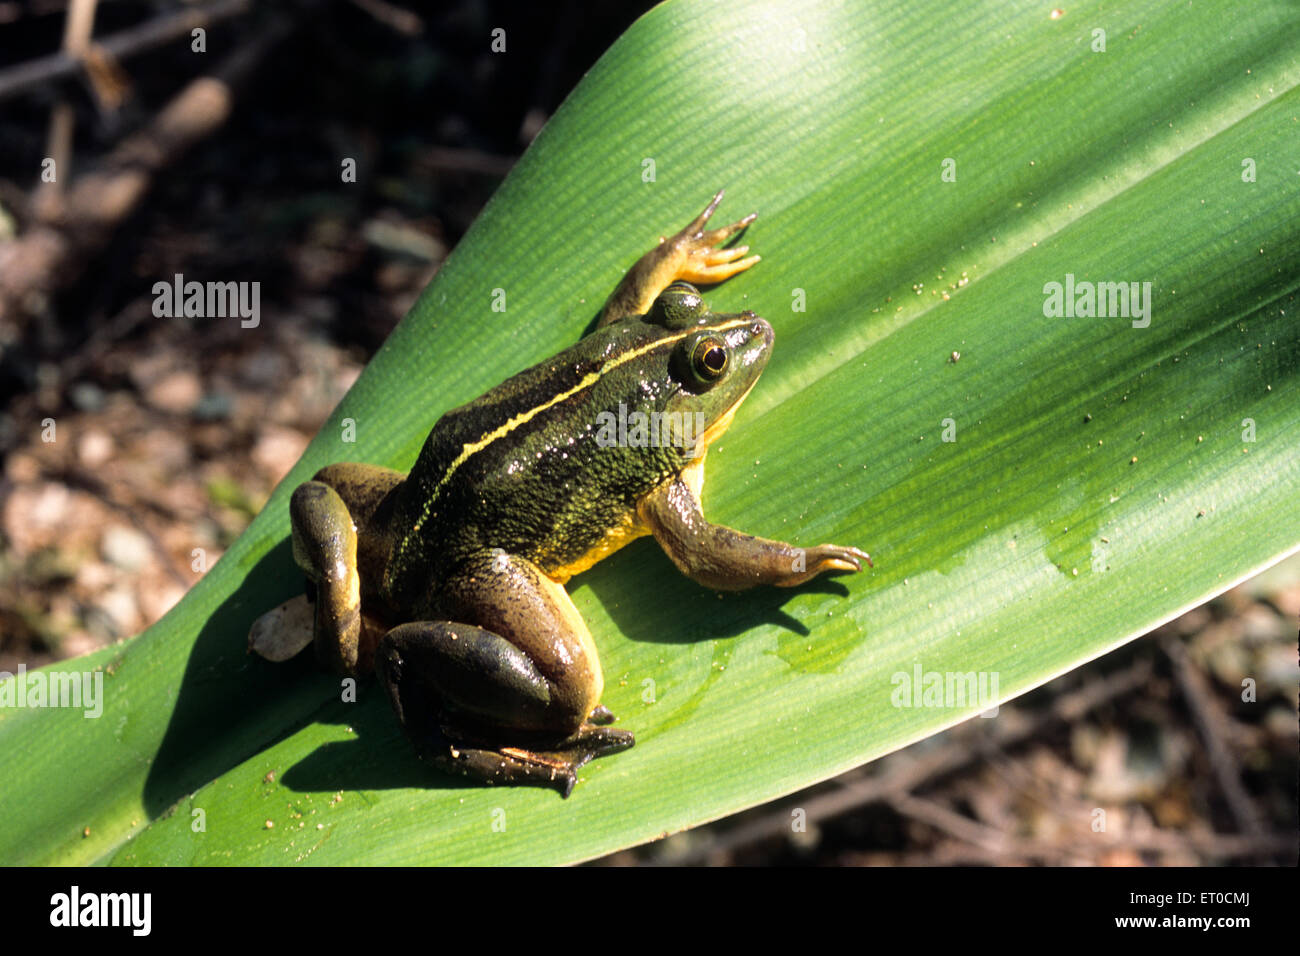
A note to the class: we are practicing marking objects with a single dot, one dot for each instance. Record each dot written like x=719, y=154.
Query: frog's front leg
x=728, y=560
x=690, y=255
x=512, y=694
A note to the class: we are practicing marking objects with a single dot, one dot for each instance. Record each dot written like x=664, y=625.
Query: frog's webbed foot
x=559, y=767
x=556, y=767
x=691, y=255
x=824, y=558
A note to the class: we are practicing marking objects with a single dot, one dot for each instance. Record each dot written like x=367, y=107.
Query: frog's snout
x=754, y=341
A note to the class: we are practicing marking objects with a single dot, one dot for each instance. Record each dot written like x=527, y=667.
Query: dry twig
x=118, y=46
x=47, y=255
x=1208, y=719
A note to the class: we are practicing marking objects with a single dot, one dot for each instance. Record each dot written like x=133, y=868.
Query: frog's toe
x=713, y=237
x=589, y=743
x=510, y=766
x=696, y=228
x=557, y=768
x=824, y=559
x=714, y=265
x=717, y=257
x=700, y=259
x=695, y=252
x=592, y=741
x=833, y=557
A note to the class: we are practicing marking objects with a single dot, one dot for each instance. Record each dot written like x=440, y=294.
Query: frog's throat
x=714, y=431
x=591, y=378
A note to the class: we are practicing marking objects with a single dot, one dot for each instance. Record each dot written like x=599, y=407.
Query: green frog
x=449, y=581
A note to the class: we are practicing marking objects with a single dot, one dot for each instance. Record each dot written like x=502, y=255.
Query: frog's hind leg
x=416, y=662
x=515, y=700
x=325, y=547
x=336, y=519
x=690, y=255
x=461, y=692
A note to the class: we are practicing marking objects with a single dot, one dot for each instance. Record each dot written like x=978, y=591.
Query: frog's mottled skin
x=449, y=580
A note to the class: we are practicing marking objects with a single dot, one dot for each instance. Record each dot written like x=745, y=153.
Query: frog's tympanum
x=449, y=581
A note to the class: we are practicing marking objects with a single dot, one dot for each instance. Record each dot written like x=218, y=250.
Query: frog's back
x=525, y=467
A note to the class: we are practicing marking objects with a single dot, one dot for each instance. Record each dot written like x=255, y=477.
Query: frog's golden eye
x=709, y=359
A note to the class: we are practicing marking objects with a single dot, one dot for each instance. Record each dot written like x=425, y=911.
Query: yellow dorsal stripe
x=590, y=379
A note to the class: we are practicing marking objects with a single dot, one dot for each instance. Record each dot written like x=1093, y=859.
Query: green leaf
x=1103, y=476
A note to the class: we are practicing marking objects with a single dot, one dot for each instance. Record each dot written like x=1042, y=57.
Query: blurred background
x=223, y=164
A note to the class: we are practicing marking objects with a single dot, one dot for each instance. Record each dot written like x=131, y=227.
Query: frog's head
x=714, y=361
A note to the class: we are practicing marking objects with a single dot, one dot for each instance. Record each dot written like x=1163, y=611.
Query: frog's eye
x=709, y=359
x=678, y=307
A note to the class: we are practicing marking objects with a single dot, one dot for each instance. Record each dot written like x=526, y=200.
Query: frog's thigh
x=527, y=647
x=325, y=547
